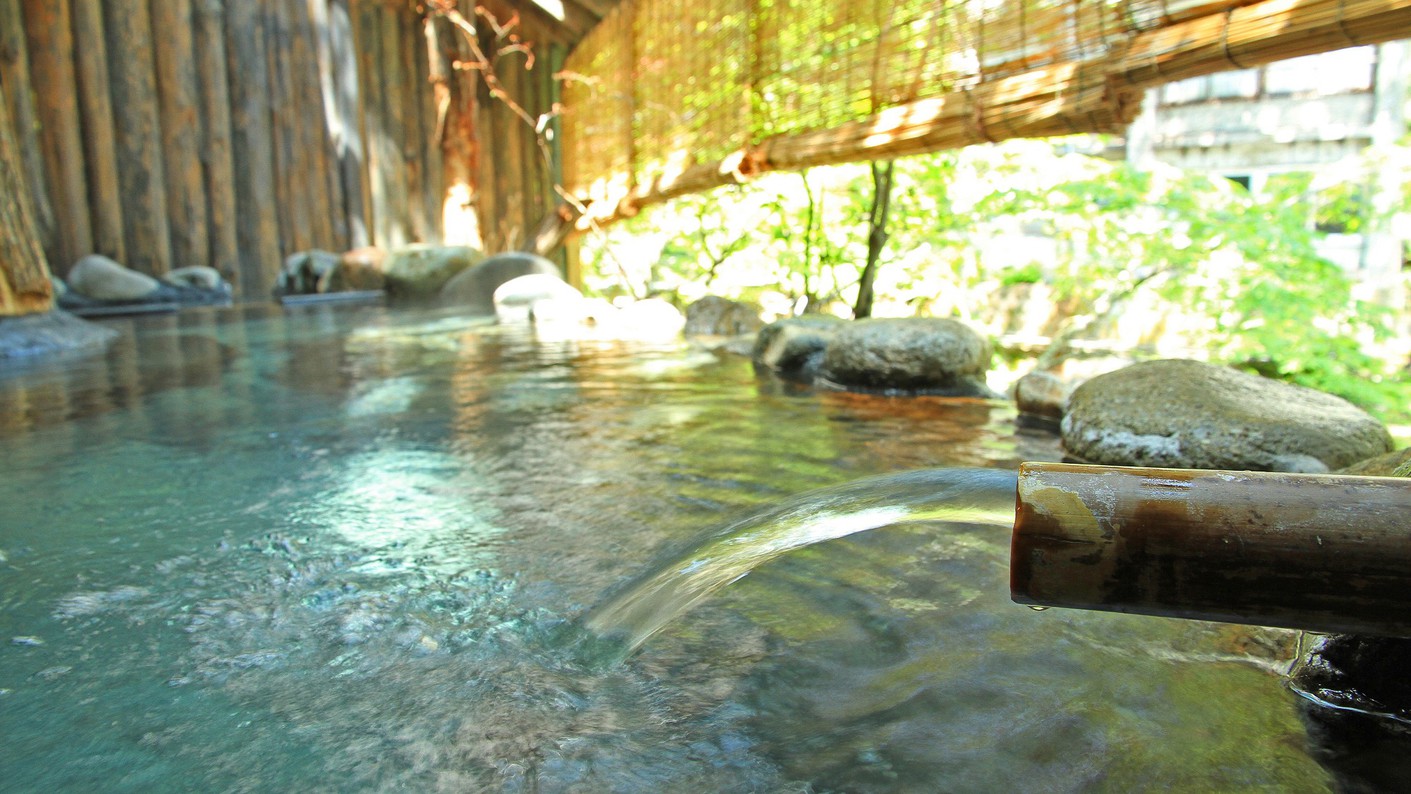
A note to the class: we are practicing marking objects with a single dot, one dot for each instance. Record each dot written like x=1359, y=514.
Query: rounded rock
x=919, y=355
x=473, y=289
x=1177, y=413
x=793, y=347
x=1042, y=394
x=422, y=271
x=100, y=278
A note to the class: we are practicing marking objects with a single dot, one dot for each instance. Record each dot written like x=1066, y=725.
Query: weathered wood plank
x=290, y=168
x=99, y=143
x=368, y=19
x=326, y=204
x=15, y=81
x=257, y=224
x=141, y=172
x=208, y=36
x=49, y=31
x=179, y=105
x=346, y=123
x=24, y=274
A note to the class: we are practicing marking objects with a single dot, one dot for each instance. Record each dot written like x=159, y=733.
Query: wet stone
x=922, y=355
x=1187, y=414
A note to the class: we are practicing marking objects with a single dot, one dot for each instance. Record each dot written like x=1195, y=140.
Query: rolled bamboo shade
x=668, y=98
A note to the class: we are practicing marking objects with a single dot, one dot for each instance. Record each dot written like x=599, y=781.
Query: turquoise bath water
x=339, y=550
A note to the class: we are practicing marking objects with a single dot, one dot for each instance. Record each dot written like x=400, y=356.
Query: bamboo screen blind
x=668, y=97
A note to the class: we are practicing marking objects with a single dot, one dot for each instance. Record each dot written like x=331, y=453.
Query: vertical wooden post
x=433, y=185
x=100, y=147
x=208, y=39
x=257, y=225
x=372, y=111
x=15, y=82
x=24, y=275
x=179, y=104
x=511, y=73
x=49, y=29
x=393, y=110
x=146, y=231
x=414, y=96
x=329, y=227
x=494, y=187
x=344, y=65
x=290, y=172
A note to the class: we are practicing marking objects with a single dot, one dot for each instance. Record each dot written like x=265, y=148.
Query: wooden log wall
x=497, y=156
x=232, y=133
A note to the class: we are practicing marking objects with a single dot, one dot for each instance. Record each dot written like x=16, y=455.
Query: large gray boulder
x=917, y=355
x=101, y=279
x=793, y=347
x=474, y=288
x=422, y=271
x=1187, y=414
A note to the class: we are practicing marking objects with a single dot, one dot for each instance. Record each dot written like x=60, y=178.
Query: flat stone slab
x=1187, y=414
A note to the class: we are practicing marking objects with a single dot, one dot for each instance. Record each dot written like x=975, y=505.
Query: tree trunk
x=876, y=235
x=24, y=274
x=15, y=84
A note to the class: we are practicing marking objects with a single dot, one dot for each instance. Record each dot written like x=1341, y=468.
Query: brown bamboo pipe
x=1329, y=553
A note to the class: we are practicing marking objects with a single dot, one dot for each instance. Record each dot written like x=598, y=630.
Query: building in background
x=1317, y=129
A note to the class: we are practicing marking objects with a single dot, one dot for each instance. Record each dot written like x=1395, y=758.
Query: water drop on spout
x=1037, y=609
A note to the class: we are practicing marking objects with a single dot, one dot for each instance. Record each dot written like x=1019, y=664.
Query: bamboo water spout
x=1327, y=553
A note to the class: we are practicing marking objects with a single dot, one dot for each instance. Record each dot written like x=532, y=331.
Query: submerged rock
x=473, y=288
x=793, y=347
x=717, y=316
x=1187, y=414
x=914, y=355
x=35, y=335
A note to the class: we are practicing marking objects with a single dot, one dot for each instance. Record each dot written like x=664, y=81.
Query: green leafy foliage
x=1099, y=235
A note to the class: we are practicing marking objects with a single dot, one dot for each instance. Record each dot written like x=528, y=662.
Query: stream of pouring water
x=726, y=554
